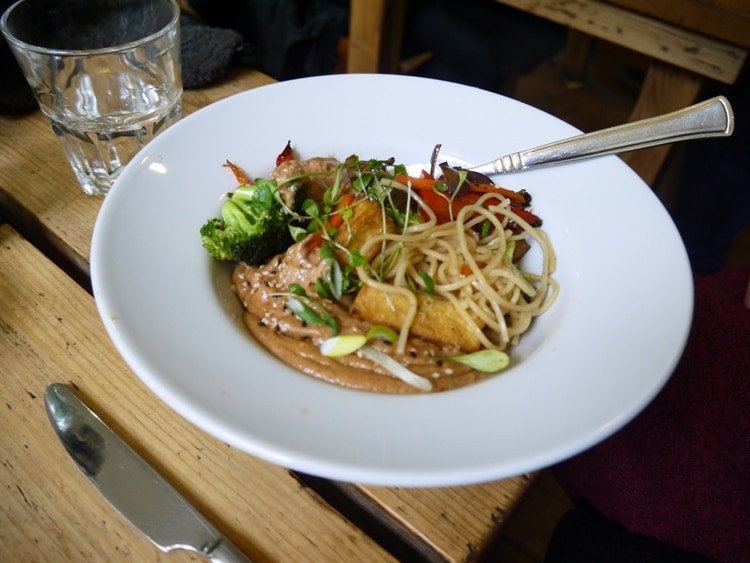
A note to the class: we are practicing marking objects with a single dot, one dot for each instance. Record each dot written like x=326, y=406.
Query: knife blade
x=130, y=484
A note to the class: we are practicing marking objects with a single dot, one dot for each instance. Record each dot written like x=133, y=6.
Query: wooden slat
x=371, y=25
x=366, y=24
x=448, y=524
x=728, y=20
x=50, y=331
x=375, y=35
x=678, y=46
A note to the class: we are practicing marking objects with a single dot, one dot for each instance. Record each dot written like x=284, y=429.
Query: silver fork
x=711, y=118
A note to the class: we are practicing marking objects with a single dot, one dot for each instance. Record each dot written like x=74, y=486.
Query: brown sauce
x=263, y=292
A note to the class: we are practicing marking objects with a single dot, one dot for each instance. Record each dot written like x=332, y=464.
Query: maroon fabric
x=680, y=472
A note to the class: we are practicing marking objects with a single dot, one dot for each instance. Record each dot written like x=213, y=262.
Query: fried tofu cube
x=366, y=222
x=436, y=320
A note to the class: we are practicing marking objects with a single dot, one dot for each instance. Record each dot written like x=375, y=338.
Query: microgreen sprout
x=339, y=279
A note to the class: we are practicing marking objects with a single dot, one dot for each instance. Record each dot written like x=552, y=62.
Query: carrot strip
x=238, y=174
x=417, y=183
x=520, y=197
x=336, y=219
x=467, y=271
x=315, y=240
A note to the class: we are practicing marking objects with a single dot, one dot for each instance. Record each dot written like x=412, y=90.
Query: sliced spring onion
x=342, y=345
x=345, y=344
x=509, y=250
x=304, y=313
x=429, y=283
x=383, y=359
x=483, y=360
x=384, y=332
x=308, y=315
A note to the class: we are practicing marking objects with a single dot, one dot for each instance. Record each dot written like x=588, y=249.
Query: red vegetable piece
x=445, y=210
x=286, y=154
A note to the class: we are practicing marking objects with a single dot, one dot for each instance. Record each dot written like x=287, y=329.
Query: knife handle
x=225, y=552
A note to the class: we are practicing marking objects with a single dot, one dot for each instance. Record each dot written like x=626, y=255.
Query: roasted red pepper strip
x=528, y=216
x=286, y=154
x=428, y=183
x=445, y=210
x=238, y=174
x=521, y=197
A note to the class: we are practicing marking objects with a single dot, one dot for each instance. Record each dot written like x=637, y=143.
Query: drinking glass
x=106, y=73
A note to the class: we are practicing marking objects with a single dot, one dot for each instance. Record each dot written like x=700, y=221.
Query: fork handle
x=711, y=118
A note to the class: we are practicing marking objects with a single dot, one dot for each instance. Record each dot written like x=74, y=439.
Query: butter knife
x=130, y=484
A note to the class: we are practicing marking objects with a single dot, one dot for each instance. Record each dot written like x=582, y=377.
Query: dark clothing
x=294, y=38
x=678, y=473
x=713, y=201
x=476, y=42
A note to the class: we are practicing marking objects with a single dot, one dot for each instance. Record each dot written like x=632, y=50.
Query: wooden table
x=687, y=41
x=50, y=332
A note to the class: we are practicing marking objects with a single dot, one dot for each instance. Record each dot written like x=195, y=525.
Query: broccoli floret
x=254, y=226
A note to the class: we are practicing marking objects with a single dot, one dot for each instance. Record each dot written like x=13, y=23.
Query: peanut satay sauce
x=264, y=290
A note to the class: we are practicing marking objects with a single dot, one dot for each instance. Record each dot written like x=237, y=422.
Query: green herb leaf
x=310, y=208
x=326, y=252
x=298, y=233
x=356, y=259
